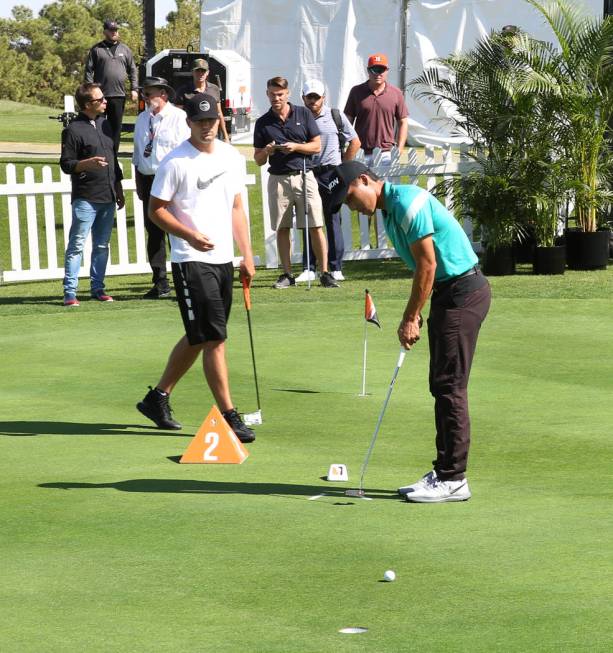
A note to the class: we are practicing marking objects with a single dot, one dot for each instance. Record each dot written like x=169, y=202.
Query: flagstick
x=363, y=393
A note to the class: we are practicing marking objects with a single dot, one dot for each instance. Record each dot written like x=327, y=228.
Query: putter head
x=253, y=419
x=354, y=493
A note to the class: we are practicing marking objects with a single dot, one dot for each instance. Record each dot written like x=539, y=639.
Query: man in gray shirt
x=109, y=63
x=334, y=128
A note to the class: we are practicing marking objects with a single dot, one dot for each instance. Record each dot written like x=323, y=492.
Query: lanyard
x=152, y=132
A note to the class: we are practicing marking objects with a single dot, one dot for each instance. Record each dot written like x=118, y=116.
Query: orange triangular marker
x=215, y=443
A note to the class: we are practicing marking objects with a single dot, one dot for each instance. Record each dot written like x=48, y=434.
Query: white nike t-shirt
x=200, y=189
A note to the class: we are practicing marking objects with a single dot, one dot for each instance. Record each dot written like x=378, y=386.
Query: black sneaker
x=243, y=433
x=155, y=406
x=327, y=280
x=157, y=292
x=285, y=281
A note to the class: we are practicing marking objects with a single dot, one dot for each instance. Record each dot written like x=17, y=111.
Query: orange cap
x=377, y=60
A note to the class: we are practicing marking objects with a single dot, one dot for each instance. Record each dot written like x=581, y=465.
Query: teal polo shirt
x=412, y=213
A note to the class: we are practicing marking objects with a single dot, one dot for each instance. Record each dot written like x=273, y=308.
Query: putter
x=360, y=491
x=306, y=222
x=251, y=418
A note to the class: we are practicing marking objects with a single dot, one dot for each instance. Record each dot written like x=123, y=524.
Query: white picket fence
x=39, y=224
x=437, y=162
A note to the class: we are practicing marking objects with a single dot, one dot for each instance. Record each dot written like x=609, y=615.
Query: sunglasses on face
x=312, y=97
x=377, y=70
x=98, y=100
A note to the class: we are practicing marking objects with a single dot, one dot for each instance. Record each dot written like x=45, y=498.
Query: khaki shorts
x=285, y=193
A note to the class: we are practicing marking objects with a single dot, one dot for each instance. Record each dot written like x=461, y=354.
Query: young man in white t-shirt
x=196, y=198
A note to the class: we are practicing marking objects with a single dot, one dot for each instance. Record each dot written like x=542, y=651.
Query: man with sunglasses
x=335, y=132
x=379, y=111
x=108, y=63
x=88, y=156
x=158, y=130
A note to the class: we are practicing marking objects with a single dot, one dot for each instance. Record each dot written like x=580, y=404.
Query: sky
x=162, y=8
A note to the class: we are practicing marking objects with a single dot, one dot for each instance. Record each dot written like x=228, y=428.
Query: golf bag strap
x=338, y=121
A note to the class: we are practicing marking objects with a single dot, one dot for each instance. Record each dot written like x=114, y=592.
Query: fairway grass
x=109, y=545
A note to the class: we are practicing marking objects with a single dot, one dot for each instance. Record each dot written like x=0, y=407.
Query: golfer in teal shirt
x=433, y=244
x=412, y=213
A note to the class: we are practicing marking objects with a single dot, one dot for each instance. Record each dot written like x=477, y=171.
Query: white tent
x=332, y=39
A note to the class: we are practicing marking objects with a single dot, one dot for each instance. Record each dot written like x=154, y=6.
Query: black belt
x=288, y=173
x=438, y=285
x=319, y=169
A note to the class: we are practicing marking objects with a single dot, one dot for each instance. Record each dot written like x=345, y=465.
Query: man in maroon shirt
x=379, y=111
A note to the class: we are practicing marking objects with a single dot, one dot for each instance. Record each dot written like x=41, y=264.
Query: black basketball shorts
x=204, y=293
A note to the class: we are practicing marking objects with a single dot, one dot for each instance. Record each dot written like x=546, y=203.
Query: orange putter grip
x=246, y=293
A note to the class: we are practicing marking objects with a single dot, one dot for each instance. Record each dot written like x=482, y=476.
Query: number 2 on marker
x=212, y=439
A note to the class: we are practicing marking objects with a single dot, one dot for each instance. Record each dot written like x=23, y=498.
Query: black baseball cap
x=111, y=25
x=201, y=106
x=337, y=184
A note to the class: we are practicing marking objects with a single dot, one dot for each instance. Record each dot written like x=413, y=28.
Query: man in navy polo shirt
x=286, y=136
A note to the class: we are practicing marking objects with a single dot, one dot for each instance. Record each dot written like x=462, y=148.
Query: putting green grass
x=109, y=545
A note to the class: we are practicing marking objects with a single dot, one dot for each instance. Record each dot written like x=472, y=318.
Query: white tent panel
x=331, y=40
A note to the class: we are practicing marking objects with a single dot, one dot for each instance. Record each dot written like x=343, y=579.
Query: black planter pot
x=587, y=250
x=549, y=260
x=498, y=261
x=523, y=250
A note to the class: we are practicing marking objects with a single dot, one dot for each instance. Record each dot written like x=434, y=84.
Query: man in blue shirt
x=332, y=153
x=286, y=136
x=432, y=244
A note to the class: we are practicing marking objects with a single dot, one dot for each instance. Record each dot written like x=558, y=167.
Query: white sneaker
x=338, y=275
x=423, y=481
x=305, y=276
x=437, y=491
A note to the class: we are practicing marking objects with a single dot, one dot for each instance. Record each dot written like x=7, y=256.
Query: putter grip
x=246, y=293
x=403, y=353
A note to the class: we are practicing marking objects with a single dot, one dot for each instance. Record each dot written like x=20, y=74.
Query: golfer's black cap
x=111, y=25
x=337, y=184
x=201, y=106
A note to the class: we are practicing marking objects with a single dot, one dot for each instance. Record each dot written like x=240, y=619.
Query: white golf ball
x=389, y=576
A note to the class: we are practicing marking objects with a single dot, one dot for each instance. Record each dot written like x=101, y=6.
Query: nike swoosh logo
x=205, y=184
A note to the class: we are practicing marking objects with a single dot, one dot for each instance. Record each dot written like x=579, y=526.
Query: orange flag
x=370, y=312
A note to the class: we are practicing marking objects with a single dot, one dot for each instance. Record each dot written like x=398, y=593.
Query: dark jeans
x=156, y=237
x=114, y=114
x=336, y=244
x=457, y=310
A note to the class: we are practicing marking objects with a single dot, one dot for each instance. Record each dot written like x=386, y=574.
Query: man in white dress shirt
x=158, y=130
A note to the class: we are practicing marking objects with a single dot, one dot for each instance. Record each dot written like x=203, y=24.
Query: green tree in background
x=183, y=28
x=14, y=75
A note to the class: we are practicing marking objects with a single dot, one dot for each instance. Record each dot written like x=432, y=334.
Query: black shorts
x=204, y=293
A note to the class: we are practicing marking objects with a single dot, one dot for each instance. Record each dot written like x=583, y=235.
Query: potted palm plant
x=581, y=71
x=489, y=107
x=549, y=255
